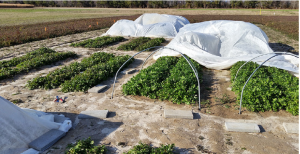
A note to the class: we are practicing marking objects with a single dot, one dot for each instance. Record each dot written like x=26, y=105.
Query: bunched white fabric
x=149, y=25
x=220, y=44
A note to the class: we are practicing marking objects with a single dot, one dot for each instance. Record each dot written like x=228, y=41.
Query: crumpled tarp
x=220, y=44
x=19, y=127
x=149, y=25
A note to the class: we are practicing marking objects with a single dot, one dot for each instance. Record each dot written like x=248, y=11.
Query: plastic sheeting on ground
x=220, y=44
x=149, y=25
x=18, y=127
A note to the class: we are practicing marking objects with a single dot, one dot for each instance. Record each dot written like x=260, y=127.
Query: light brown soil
x=133, y=118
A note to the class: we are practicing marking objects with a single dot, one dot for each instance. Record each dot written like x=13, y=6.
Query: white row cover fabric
x=220, y=44
x=18, y=127
x=149, y=25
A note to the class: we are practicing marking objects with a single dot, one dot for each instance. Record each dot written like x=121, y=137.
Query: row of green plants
x=57, y=77
x=95, y=74
x=169, y=78
x=133, y=43
x=26, y=66
x=141, y=43
x=17, y=60
x=86, y=146
x=98, y=42
x=151, y=43
x=269, y=89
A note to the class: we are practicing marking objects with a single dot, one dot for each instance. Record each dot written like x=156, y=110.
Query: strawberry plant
x=133, y=44
x=269, y=89
x=149, y=80
x=181, y=86
x=94, y=75
x=169, y=78
x=151, y=43
x=17, y=60
x=26, y=66
x=85, y=147
x=98, y=42
x=56, y=78
x=147, y=149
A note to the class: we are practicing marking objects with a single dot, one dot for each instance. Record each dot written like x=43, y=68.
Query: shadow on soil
x=96, y=128
x=283, y=47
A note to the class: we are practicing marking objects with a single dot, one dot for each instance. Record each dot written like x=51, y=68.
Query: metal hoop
x=162, y=47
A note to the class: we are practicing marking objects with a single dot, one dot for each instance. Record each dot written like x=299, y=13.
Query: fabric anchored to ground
x=149, y=25
x=19, y=127
x=220, y=44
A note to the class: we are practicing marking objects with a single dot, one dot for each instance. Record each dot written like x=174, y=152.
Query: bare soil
x=134, y=118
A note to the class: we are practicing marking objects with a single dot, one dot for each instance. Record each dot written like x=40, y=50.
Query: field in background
x=26, y=25
x=38, y=15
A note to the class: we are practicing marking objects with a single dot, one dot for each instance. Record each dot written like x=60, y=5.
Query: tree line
x=269, y=4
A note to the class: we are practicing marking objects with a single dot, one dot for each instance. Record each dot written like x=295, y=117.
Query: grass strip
x=133, y=44
x=26, y=66
x=94, y=75
x=98, y=42
x=17, y=60
x=150, y=43
x=56, y=78
x=269, y=89
x=149, y=80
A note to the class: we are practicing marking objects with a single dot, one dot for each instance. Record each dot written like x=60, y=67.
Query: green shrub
x=17, y=60
x=269, y=89
x=94, y=75
x=26, y=66
x=147, y=149
x=98, y=42
x=85, y=147
x=133, y=44
x=151, y=43
x=56, y=78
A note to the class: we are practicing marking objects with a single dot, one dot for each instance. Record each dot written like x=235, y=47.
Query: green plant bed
x=147, y=149
x=181, y=86
x=85, y=147
x=94, y=75
x=169, y=78
x=133, y=44
x=26, y=66
x=17, y=60
x=269, y=89
x=151, y=43
x=56, y=78
x=98, y=42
